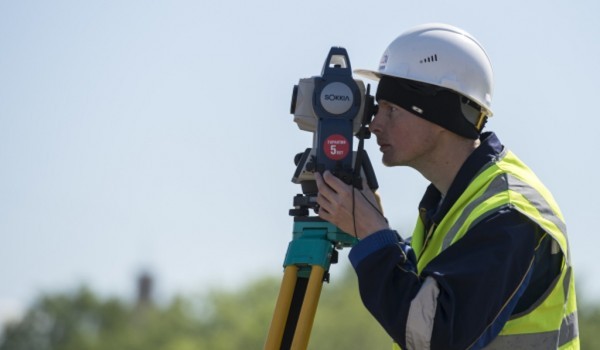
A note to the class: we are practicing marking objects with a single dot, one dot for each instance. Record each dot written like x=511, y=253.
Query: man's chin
x=389, y=162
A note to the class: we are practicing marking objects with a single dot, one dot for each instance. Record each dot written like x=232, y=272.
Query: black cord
x=354, y=206
x=353, y=215
x=372, y=205
x=370, y=110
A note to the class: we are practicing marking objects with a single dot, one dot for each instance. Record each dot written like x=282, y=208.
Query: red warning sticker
x=336, y=147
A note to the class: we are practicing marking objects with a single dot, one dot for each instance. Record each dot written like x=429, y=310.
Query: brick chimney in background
x=144, y=289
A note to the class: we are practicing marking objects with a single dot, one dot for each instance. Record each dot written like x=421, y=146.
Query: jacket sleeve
x=462, y=298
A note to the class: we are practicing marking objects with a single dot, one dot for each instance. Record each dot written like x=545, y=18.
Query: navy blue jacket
x=483, y=278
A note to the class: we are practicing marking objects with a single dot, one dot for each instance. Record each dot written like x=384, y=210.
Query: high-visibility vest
x=551, y=323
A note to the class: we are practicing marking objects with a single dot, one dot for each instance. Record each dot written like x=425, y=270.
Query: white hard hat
x=441, y=55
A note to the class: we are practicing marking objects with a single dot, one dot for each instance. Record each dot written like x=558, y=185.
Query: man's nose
x=375, y=125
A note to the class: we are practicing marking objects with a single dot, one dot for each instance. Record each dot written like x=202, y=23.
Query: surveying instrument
x=335, y=107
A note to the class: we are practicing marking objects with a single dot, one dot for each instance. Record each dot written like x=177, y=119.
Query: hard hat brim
x=369, y=74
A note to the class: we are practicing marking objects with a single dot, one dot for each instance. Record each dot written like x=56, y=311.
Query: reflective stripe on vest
x=542, y=340
x=507, y=182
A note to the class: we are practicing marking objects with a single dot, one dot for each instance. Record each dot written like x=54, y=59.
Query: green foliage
x=342, y=322
x=240, y=320
x=80, y=321
x=589, y=326
x=217, y=320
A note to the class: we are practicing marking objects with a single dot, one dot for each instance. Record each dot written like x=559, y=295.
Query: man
x=488, y=264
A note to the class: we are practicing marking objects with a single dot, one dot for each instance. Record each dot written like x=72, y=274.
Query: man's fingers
x=321, y=185
x=325, y=192
x=335, y=183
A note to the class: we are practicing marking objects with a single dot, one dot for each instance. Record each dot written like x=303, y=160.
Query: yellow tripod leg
x=282, y=308
x=309, y=308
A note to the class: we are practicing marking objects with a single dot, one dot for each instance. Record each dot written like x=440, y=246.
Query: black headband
x=435, y=104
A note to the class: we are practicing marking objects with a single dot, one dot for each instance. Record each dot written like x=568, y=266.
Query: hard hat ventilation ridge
x=432, y=58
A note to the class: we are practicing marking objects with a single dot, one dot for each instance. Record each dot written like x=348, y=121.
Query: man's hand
x=359, y=216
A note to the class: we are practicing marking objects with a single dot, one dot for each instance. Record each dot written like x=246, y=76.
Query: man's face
x=403, y=138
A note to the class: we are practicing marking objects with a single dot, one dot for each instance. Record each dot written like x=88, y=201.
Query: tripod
x=307, y=261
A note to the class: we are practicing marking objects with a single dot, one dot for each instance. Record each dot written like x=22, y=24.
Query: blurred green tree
x=217, y=320
x=589, y=325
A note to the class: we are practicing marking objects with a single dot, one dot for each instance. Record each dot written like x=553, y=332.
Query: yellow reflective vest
x=551, y=323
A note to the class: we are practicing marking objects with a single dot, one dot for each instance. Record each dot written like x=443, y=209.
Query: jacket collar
x=432, y=206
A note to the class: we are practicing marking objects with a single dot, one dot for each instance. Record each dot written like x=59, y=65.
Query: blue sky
x=156, y=135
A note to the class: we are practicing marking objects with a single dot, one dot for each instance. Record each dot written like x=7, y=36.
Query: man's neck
x=446, y=160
